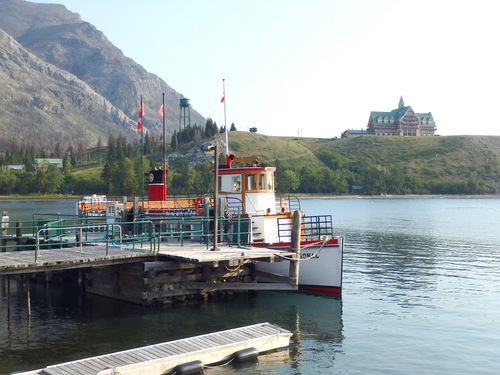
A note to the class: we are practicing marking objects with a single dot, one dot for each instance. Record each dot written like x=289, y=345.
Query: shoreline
x=407, y=196
x=300, y=196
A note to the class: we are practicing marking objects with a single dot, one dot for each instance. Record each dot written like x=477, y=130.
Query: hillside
x=62, y=79
x=436, y=159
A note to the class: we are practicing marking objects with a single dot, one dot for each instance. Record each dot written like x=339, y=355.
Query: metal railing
x=313, y=227
x=40, y=234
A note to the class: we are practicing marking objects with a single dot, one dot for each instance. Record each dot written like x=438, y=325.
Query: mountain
x=62, y=80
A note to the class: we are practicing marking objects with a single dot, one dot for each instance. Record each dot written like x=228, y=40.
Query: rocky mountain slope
x=62, y=80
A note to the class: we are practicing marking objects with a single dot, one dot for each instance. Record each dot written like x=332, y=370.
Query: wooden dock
x=171, y=274
x=163, y=358
x=21, y=262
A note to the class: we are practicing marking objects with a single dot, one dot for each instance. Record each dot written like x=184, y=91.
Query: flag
x=161, y=111
x=141, y=113
x=223, y=98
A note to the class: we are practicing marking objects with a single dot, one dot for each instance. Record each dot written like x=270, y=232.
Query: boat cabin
x=252, y=186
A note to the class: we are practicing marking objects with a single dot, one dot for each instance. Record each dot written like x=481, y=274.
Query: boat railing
x=287, y=203
x=234, y=204
x=313, y=227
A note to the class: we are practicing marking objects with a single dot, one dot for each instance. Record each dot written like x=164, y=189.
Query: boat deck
x=164, y=357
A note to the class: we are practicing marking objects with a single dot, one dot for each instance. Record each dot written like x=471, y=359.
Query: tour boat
x=250, y=190
x=246, y=189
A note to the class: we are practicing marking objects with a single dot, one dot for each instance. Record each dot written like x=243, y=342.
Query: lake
x=421, y=295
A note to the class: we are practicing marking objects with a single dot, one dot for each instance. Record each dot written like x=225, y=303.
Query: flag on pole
x=141, y=113
x=223, y=98
x=161, y=111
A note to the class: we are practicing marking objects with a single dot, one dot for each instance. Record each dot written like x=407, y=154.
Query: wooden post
x=29, y=299
x=19, y=232
x=294, y=264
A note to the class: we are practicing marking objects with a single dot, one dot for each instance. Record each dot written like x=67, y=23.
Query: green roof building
x=401, y=121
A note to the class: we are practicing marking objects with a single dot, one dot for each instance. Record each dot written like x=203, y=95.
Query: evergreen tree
x=173, y=142
x=29, y=159
x=107, y=176
x=67, y=165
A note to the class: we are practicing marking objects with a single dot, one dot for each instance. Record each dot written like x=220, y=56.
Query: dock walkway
x=21, y=262
x=164, y=357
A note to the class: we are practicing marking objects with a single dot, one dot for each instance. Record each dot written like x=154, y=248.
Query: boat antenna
x=225, y=122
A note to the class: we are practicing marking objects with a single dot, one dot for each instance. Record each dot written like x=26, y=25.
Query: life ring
x=283, y=206
x=198, y=205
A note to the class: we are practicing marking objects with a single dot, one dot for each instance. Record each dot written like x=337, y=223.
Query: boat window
x=251, y=182
x=270, y=181
x=262, y=181
x=236, y=184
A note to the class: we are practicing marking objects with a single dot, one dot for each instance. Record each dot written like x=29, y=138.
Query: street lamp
x=209, y=148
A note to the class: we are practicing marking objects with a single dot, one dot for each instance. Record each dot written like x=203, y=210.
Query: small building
x=41, y=161
x=15, y=167
x=401, y=121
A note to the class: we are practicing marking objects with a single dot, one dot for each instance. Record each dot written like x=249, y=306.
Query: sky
x=314, y=68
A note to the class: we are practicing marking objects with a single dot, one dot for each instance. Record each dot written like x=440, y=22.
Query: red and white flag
x=141, y=113
x=161, y=111
x=223, y=98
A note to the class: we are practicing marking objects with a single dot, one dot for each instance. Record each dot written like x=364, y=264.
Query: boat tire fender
x=247, y=354
x=194, y=367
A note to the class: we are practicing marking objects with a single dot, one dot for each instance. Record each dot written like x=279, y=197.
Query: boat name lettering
x=308, y=255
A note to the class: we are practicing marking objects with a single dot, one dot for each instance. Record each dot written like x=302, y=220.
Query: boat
x=245, y=191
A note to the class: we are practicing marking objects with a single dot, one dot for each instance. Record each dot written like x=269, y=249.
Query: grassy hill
x=392, y=165
x=438, y=159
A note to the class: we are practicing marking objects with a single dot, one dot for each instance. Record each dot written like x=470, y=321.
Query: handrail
x=26, y=235
x=37, y=247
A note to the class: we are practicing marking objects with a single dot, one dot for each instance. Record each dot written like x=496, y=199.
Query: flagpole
x=225, y=123
x=142, y=151
x=164, y=152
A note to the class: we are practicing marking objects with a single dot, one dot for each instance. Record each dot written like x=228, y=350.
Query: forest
x=117, y=168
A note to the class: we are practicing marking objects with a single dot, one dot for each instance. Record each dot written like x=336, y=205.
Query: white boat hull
x=320, y=268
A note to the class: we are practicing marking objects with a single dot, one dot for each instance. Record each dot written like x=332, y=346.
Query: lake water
x=421, y=296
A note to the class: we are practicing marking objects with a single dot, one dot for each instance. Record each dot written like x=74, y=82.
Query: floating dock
x=169, y=357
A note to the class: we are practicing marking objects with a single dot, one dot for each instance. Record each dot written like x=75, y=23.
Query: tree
x=124, y=178
x=67, y=164
x=173, y=142
x=48, y=179
x=253, y=130
x=232, y=128
x=107, y=176
x=8, y=181
x=288, y=182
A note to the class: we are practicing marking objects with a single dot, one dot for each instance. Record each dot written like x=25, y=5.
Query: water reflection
x=66, y=324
